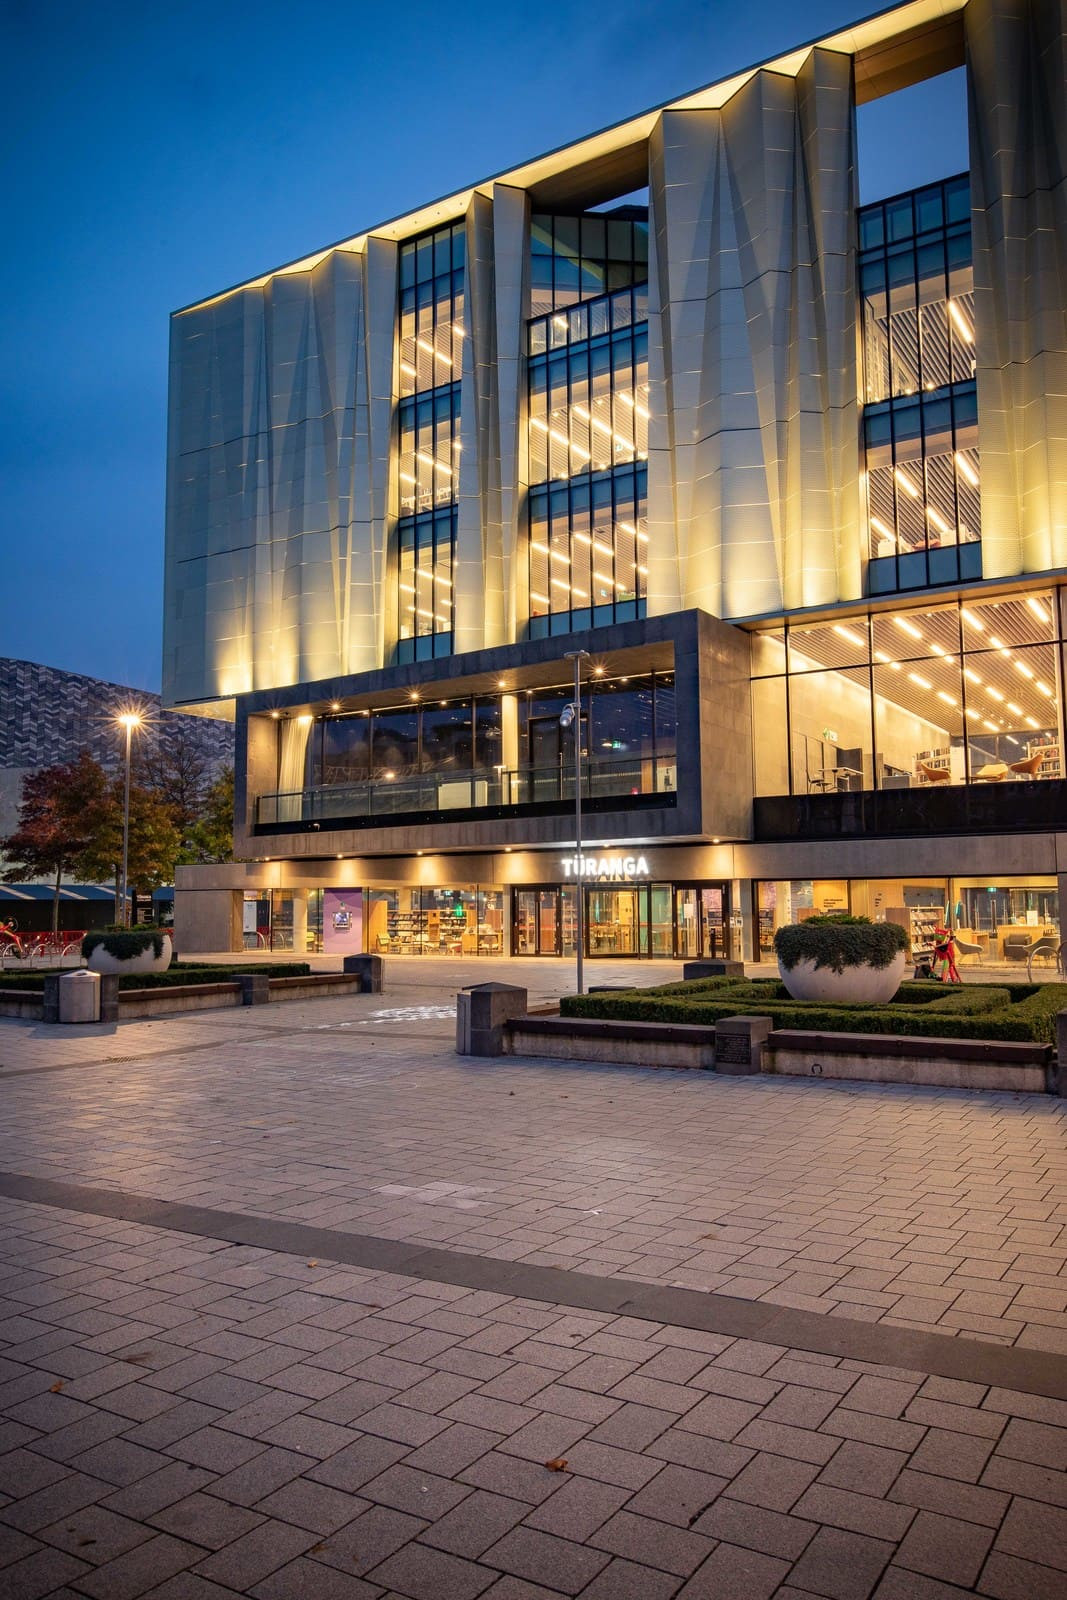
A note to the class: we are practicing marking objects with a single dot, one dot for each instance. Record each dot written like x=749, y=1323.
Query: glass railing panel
x=447, y=791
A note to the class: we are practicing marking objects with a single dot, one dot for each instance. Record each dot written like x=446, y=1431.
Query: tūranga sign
x=606, y=868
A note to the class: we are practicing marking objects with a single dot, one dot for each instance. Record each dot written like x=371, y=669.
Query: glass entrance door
x=714, y=923
x=616, y=925
x=687, y=924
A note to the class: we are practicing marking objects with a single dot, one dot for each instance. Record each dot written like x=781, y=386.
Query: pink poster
x=342, y=922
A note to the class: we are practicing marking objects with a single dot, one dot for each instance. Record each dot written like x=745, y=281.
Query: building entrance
x=642, y=920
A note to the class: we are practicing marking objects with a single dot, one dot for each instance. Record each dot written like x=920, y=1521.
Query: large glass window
x=996, y=920
x=431, y=337
x=954, y=693
x=426, y=550
x=580, y=258
x=588, y=422
x=920, y=418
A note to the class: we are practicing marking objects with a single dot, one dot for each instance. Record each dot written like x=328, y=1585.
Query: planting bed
x=1024, y=1012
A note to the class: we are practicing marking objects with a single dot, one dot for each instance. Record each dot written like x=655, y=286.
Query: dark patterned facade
x=48, y=716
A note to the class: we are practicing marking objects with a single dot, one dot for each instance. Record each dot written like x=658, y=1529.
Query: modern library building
x=780, y=477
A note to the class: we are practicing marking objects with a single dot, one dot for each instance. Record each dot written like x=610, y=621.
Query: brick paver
x=185, y=1417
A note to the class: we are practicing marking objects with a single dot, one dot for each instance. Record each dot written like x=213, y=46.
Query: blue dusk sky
x=153, y=155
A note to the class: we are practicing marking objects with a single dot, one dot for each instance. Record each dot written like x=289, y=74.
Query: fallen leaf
x=83, y=1542
x=140, y=1358
x=312, y=1263
x=558, y=1464
x=56, y=1387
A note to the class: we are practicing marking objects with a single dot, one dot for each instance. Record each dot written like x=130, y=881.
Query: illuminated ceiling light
x=947, y=698
x=905, y=483
x=998, y=644
x=1030, y=723
x=405, y=366
x=305, y=718
x=966, y=470
x=501, y=683
x=971, y=675
x=847, y=633
x=1043, y=688
x=1038, y=608
x=1020, y=666
x=560, y=322
x=275, y=715
x=1015, y=710
x=535, y=422
x=934, y=516
x=335, y=705
x=991, y=727
x=598, y=672
x=963, y=327
x=974, y=621
x=880, y=655
x=541, y=599
x=994, y=694
x=915, y=678
x=879, y=527
x=908, y=627
x=972, y=714
x=415, y=692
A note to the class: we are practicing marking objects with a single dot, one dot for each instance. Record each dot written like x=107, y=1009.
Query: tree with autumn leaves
x=70, y=827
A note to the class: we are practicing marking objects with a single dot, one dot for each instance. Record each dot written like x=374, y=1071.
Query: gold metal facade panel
x=753, y=448
x=1017, y=60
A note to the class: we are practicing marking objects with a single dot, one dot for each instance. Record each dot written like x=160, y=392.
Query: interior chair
x=965, y=948
x=1028, y=767
x=1015, y=946
x=1047, y=947
x=934, y=774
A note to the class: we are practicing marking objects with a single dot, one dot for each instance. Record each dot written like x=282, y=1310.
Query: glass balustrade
x=447, y=791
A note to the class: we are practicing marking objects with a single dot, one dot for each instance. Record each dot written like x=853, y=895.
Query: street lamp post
x=572, y=714
x=128, y=720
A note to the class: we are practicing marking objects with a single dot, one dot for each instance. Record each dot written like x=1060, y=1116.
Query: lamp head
x=566, y=716
x=129, y=719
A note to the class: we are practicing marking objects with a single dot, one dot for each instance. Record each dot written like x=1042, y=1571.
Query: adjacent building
x=789, y=474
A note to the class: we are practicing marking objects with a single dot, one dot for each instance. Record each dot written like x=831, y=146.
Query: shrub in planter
x=842, y=958
x=131, y=950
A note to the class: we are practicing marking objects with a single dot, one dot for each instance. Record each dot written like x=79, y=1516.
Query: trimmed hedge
x=1021, y=1012
x=127, y=944
x=838, y=941
x=176, y=974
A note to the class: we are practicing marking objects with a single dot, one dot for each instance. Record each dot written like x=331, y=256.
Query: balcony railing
x=448, y=791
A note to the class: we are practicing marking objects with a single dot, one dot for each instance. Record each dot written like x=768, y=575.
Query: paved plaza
x=298, y=1303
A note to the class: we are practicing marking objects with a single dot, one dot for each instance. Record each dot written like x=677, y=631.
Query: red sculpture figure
x=944, y=963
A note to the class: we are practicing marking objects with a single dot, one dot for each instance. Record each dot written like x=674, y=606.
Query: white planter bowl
x=853, y=986
x=145, y=961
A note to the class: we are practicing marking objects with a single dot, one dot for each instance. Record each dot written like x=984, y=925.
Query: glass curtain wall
x=630, y=725
x=965, y=692
x=996, y=921
x=920, y=404
x=430, y=363
x=588, y=420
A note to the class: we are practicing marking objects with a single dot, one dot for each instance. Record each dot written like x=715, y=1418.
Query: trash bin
x=79, y=997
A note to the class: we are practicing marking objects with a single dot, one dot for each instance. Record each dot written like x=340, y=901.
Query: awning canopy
x=12, y=893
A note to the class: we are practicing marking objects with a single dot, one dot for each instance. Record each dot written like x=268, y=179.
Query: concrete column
x=739, y=1043
x=482, y=1013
